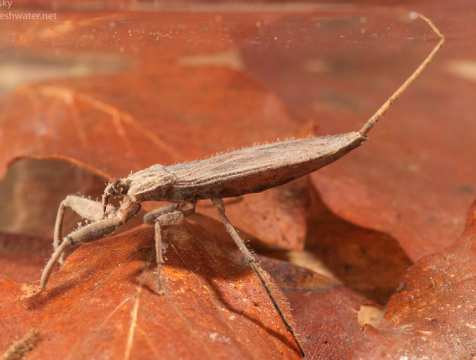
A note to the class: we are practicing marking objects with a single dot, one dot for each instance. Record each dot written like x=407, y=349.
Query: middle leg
x=168, y=215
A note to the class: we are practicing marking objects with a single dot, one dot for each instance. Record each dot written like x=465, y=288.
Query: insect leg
x=159, y=256
x=151, y=216
x=87, y=233
x=252, y=262
x=86, y=208
x=185, y=208
x=172, y=218
x=167, y=215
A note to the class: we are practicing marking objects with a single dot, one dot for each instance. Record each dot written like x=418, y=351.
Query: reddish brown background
x=112, y=87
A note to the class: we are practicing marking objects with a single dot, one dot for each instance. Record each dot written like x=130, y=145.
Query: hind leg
x=256, y=267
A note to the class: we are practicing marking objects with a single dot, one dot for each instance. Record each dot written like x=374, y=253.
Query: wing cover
x=257, y=168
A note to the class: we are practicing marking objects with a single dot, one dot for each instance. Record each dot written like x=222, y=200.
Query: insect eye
x=120, y=188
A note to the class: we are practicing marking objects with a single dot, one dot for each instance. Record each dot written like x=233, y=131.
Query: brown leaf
x=171, y=86
x=33, y=189
x=367, y=261
x=433, y=314
x=158, y=105
x=412, y=179
x=22, y=257
x=102, y=302
x=325, y=311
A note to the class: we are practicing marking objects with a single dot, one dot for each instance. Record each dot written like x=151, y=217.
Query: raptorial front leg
x=88, y=209
x=87, y=233
x=258, y=270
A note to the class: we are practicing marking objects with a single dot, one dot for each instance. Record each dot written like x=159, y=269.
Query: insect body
x=247, y=170
x=244, y=171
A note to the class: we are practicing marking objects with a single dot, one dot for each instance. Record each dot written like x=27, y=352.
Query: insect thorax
x=151, y=183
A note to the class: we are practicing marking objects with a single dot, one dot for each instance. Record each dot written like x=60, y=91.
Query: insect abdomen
x=258, y=168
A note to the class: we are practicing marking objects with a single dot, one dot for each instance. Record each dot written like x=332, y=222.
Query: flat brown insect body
x=257, y=168
x=235, y=173
x=244, y=171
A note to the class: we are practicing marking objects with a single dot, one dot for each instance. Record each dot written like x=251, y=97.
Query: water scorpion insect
x=240, y=172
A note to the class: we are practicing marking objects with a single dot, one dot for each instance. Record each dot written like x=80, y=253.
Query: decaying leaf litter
x=231, y=174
